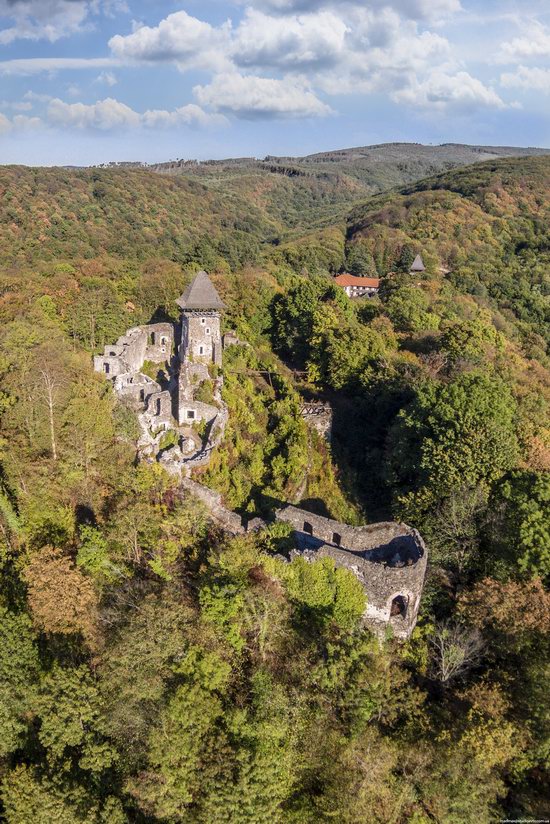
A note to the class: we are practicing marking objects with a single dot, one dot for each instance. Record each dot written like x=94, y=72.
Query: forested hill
x=49, y=214
x=156, y=670
x=487, y=226
x=375, y=168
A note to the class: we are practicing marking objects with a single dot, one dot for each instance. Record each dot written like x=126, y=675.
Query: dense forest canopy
x=154, y=669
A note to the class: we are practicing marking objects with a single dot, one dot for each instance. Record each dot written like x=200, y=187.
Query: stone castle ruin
x=184, y=400
x=389, y=559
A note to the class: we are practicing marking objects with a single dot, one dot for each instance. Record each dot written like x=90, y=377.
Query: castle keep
x=389, y=559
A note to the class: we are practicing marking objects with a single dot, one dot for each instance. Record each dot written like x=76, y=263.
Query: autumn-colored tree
x=61, y=599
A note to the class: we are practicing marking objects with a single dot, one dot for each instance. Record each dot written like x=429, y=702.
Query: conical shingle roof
x=200, y=294
x=418, y=265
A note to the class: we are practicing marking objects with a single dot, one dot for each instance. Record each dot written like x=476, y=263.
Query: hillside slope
x=61, y=213
x=333, y=176
x=487, y=226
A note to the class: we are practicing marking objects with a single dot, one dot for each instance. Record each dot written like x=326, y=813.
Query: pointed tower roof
x=418, y=265
x=200, y=294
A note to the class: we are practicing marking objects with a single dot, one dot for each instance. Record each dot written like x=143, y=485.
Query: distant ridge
x=357, y=152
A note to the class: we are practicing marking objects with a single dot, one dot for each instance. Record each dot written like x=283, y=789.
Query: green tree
x=69, y=708
x=19, y=671
x=520, y=530
x=450, y=435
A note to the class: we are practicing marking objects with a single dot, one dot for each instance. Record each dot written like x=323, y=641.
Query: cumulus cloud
x=42, y=19
x=383, y=54
x=189, y=115
x=535, y=43
x=460, y=92
x=296, y=42
x=179, y=37
x=111, y=114
x=103, y=115
x=529, y=78
x=20, y=122
x=250, y=97
x=51, y=19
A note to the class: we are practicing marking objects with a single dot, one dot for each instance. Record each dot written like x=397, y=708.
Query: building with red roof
x=358, y=287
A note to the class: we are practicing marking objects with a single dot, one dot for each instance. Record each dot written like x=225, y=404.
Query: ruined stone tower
x=200, y=346
x=200, y=322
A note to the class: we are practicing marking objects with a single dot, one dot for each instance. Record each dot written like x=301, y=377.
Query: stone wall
x=318, y=416
x=213, y=500
x=389, y=559
x=201, y=339
x=160, y=342
x=135, y=388
x=159, y=410
x=154, y=343
x=199, y=411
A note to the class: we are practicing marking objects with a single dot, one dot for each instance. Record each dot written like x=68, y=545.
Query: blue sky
x=92, y=81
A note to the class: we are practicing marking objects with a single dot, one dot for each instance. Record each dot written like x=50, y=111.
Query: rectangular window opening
x=191, y=414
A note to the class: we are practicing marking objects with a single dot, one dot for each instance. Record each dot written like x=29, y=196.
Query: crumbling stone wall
x=389, y=559
x=191, y=412
x=153, y=342
x=160, y=342
x=318, y=416
x=136, y=388
x=213, y=500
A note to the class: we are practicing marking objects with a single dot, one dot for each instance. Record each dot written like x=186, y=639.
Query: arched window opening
x=336, y=539
x=106, y=368
x=308, y=529
x=398, y=606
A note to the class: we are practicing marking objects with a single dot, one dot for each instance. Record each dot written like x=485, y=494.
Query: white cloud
x=383, y=54
x=529, y=78
x=111, y=114
x=52, y=19
x=306, y=41
x=37, y=65
x=460, y=92
x=413, y=9
x=179, y=37
x=108, y=78
x=535, y=43
x=16, y=106
x=42, y=19
x=189, y=115
x=24, y=123
x=103, y=115
x=37, y=98
x=20, y=122
x=253, y=97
